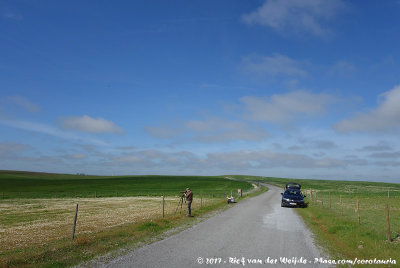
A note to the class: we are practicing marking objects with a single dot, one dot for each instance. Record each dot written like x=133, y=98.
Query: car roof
x=293, y=185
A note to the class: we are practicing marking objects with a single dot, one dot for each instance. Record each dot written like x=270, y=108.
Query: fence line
x=110, y=193
x=380, y=211
x=52, y=219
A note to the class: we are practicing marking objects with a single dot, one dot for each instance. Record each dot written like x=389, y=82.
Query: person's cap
x=187, y=188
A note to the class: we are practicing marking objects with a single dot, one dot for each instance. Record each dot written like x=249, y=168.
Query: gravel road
x=257, y=229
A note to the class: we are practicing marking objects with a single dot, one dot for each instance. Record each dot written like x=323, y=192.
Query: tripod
x=180, y=202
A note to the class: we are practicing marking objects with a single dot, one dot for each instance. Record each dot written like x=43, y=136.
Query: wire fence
x=38, y=221
x=111, y=193
x=379, y=211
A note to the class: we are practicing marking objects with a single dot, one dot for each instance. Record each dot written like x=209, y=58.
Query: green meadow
x=15, y=184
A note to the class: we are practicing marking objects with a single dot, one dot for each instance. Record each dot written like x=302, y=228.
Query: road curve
x=255, y=229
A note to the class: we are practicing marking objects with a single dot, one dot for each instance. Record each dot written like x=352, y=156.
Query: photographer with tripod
x=189, y=198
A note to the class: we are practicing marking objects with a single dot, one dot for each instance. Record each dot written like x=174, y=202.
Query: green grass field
x=15, y=184
x=36, y=212
x=345, y=229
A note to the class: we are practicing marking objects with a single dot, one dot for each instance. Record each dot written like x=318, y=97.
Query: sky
x=282, y=88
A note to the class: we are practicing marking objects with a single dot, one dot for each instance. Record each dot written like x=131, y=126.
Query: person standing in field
x=189, y=199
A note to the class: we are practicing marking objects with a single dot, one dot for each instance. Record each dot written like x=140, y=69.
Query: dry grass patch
x=30, y=222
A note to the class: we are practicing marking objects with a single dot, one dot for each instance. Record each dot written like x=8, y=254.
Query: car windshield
x=293, y=185
x=292, y=192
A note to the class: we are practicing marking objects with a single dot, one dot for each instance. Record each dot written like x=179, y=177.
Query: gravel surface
x=255, y=230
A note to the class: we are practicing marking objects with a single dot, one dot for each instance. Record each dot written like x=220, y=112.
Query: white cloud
x=342, y=69
x=47, y=129
x=76, y=156
x=285, y=108
x=281, y=109
x=275, y=65
x=380, y=146
x=288, y=16
x=21, y=102
x=384, y=118
x=211, y=130
x=228, y=161
x=218, y=129
x=389, y=155
x=88, y=124
x=389, y=163
x=9, y=149
x=163, y=132
x=38, y=127
x=324, y=144
x=145, y=159
x=126, y=148
x=269, y=159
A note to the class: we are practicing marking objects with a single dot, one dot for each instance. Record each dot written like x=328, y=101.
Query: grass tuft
x=82, y=240
x=149, y=226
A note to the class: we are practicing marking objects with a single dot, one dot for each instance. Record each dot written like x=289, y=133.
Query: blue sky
x=302, y=89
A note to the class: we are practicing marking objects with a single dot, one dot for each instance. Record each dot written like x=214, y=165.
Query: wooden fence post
x=388, y=223
x=330, y=202
x=75, y=218
x=358, y=211
x=201, y=199
x=163, y=206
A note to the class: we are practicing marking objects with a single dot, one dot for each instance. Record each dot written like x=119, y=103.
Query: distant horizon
x=188, y=175
x=306, y=89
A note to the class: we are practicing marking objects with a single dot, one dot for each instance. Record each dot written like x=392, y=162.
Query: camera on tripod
x=181, y=200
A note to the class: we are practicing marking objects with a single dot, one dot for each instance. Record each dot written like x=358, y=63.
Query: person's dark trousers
x=189, y=208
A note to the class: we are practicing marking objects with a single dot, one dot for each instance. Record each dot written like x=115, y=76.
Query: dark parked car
x=292, y=198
